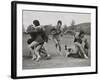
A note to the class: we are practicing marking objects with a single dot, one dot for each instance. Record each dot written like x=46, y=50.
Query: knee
x=78, y=45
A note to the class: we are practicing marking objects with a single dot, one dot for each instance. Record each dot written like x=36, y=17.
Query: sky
x=46, y=18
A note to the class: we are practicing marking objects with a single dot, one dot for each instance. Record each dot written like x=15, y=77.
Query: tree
x=72, y=25
x=65, y=28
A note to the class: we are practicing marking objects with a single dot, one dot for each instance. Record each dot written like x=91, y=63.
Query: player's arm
x=38, y=28
x=31, y=29
x=53, y=31
x=86, y=43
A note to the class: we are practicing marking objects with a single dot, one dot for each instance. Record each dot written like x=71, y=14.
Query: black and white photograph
x=56, y=39
x=53, y=39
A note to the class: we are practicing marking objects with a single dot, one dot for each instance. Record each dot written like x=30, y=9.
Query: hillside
x=86, y=27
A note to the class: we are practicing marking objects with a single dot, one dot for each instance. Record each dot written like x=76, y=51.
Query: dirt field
x=56, y=61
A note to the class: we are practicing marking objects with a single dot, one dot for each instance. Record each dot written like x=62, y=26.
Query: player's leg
x=56, y=43
x=34, y=43
x=59, y=45
x=33, y=53
x=32, y=49
x=37, y=52
x=81, y=49
x=43, y=52
x=73, y=52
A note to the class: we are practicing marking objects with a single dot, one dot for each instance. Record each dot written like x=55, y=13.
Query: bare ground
x=56, y=61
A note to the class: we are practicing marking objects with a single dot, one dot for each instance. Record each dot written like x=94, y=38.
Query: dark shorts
x=29, y=41
x=57, y=37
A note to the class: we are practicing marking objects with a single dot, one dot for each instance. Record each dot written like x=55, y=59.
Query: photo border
x=14, y=38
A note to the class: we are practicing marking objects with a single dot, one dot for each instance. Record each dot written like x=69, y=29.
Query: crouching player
x=80, y=46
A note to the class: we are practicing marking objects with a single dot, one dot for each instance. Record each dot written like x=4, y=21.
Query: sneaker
x=85, y=57
x=37, y=59
x=33, y=57
x=48, y=57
